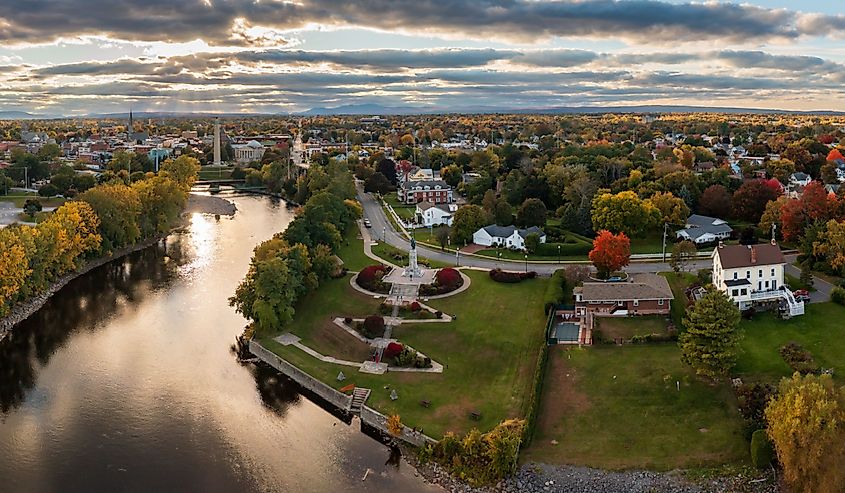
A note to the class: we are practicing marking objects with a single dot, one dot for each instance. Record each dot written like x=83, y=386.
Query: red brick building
x=434, y=191
x=640, y=294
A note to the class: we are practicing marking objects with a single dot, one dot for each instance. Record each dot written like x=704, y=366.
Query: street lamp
x=499, y=264
x=526, y=262
x=558, y=254
x=457, y=258
x=383, y=234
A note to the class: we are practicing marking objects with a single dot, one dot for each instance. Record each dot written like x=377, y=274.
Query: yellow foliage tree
x=807, y=427
x=184, y=170
x=13, y=265
x=73, y=229
x=831, y=244
x=394, y=425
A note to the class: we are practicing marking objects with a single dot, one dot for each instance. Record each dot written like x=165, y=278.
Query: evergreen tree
x=711, y=341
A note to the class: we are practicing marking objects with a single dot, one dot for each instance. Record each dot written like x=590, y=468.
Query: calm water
x=124, y=381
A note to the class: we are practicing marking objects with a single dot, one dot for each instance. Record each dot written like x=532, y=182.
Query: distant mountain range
x=370, y=109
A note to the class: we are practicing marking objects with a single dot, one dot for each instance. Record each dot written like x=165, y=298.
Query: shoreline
x=26, y=308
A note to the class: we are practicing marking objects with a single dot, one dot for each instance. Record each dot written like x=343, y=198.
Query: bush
x=373, y=326
x=415, y=306
x=555, y=290
x=448, y=277
x=753, y=399
x=393, y=350
x=438, y=314
x=798, y=358
x=837, y=295
x=347, y=320
x=500, y=275
x=48, y=190
x=762, y=452
x=370, y=278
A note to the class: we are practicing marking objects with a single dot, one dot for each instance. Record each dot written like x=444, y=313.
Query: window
x=767, y=284
x=773, y=272
x=636, y=302
x=744, y=291
x=748, y=274
x=760, y=273
x=620, y=303
x=735, y=292
x=660, y=302
x=734, y=275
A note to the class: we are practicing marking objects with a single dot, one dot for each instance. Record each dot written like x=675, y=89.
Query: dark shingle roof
x=735, y=256
x=640, y=287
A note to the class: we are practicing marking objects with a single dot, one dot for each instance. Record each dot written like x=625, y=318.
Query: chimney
x=753, y=255
x=774, y=242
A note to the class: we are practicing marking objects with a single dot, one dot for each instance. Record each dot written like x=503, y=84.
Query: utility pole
x=26, y=177
x=665, y=230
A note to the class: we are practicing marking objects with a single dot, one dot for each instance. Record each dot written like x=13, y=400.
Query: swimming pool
x=567, y=332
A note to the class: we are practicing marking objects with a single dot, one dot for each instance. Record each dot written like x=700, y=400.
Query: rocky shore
x=208, y=204
x=541, y=478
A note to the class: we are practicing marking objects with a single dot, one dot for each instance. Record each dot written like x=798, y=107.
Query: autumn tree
x=682, y=253
x=750, y=200
x=815, y=204
x=710, y=343
x=184, y=170
x=831, y=245
x=807, y=427
x=780, y=169
x=118, y=207
x=466, y=221
x=161, y=201
x=624, y=212
x=532, y=212
x=715, y=201
x=14, y=266
x=673, y=210
x=610, y=252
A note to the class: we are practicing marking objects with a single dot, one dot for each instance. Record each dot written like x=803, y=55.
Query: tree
x=710, y=343
x=467, y=220
x=120, y=160
x=451, y=175
x=274, y=175
x=118, y=208
x=532, y=243
x=807, y=427
x=14, y=265
x=624, y=212
x=387, y=168
x=442, y=235
x=610, y=252
x=72, y=232
x=532, y=212
x=32, y=207
x=715, y=201
x=673, y=210
x=378, y=183
x=750, y=200
x=161, y=201
x=780, y=169
x=48, y=190
x=682, y=253
x=183, y=170
x=394, y=425
x=831, y=245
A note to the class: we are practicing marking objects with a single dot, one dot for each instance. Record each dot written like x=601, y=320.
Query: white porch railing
x=795, y=307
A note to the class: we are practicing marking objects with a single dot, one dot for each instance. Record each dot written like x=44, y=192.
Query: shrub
x=837, y=295
x=347, y=320
x=48, y=190
x=762, y=452
x=415, y=306
x=555, y=290
x=448, y=277
x=753, y=399
x=373, y=326
x=798, y=358
x=438, y=314
x=370, y=278
x=505, y=276
x=392, y=350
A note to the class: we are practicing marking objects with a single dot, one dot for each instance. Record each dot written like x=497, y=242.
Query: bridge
x=228, y=181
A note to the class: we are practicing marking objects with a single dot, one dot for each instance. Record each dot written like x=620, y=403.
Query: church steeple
x=131, y=129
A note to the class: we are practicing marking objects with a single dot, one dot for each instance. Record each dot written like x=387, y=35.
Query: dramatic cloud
x=264, y=23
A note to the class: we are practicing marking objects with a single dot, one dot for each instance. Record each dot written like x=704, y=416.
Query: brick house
x=641, y=294
x=434, y=191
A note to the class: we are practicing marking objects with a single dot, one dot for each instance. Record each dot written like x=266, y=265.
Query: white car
x=367, y=223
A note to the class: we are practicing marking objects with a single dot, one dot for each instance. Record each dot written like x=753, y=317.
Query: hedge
x=533, y=407
x=798, y=358
x=566, y=249
x=762, y=453
x=837, y=295
x=555, y=290
x=507, y=276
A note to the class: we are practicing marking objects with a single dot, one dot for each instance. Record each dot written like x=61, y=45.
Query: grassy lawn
x=405, y=211
x=628, y=327
x=619, y=408
x=650, y=244
x=352, y=251
x=820, y=331
x=795, y=283
x=519, y=255
x=19, y=198
x=489, y=359
x=679, y=281
x=214, y=173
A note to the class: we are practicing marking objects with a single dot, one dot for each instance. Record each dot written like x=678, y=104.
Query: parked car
x=801, y=295
x=367, y=223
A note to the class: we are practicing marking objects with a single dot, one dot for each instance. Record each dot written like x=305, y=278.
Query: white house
x=249, y=152
x=429, y=214
x=704, y=229
x=799, y=179
x=506, y=236
x=752, y=274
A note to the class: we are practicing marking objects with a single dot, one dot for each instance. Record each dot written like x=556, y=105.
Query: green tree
x=161, y=201
x=624, y=212
x=710, y=343
x=682, y=253
x=532, y=212
x=442, y=235
x=467, y=220
x=118, y=208
x=183, y=170
x=532, y=243
x=807, y=427
x=32, y=207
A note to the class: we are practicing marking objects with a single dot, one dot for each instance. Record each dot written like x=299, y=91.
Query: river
x=124, y=381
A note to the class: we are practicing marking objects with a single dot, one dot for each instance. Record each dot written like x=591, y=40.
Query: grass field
x=679, y=281
x=352, y=250
x=489, y=359
x=620, y=408
x=214, y=173
x=820, y=331
x=653, y=243
x=613, y=328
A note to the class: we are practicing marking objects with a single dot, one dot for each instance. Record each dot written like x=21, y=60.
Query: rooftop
x=643, y=286
x=738, y=256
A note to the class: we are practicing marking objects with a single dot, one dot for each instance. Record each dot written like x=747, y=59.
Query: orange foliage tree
x=610, y=252
x=815, y=204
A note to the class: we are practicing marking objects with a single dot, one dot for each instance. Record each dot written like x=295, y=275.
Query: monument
x=412, y=271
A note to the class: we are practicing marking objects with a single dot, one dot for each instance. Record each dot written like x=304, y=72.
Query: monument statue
x=413, y=269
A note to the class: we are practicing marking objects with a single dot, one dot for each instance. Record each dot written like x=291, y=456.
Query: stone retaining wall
x=371, y=417
x=332, y=396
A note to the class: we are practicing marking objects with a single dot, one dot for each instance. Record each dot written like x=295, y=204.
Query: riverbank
x=24, y=309
x=543, y=478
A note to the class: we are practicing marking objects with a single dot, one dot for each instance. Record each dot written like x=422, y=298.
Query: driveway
x=823, y=288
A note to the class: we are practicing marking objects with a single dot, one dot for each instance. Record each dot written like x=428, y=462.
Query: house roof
x=700, y=220
x=732, y=283
x=421, y=184
x=643, y=286
x=703, y=225
x=737, y=256
x=497, y=231
x=799, y=176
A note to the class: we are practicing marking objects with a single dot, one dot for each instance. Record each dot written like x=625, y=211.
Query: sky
x=75, y=57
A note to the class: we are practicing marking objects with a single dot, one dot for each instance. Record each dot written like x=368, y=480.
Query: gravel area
x=207, y=204
x=541, y=478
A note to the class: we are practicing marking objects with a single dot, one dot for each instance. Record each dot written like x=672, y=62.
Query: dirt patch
x=457, y=411
x=331, y=340
x=561, y=397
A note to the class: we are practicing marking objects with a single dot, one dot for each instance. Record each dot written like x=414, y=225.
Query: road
x=383, y=230
x=823, y=288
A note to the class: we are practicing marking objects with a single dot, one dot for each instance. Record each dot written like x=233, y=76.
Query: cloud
x=264, y=23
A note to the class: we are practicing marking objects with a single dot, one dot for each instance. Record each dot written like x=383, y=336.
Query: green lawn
x=820, y=331
x=352, y=251
x=489, y=359
x=613, y=328
x=519, y=255
x=619, y=408
x=653, y=243
x=19, y=198
x=214, y=173
x=400, y=257
x=405, y=211
x=679, y=282
x=795, y=283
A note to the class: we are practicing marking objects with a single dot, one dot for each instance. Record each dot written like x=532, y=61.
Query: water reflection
x=124, y=381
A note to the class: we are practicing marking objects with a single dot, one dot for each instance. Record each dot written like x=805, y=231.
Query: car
x=367, y=223
x=801, y=295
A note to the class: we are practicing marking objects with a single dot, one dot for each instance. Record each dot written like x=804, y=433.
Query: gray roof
x=800, y=176
x=504, y=231
x=642, y=286
x=702, y=225
x=421, y=184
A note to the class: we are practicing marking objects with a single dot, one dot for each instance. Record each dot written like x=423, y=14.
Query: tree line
x=99, y=221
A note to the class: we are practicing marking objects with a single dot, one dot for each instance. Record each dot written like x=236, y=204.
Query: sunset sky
x=79, y=57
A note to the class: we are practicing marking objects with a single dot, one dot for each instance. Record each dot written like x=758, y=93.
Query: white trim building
x=506, y=236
